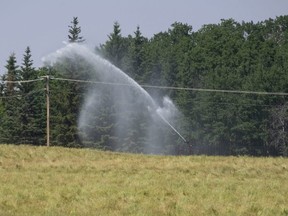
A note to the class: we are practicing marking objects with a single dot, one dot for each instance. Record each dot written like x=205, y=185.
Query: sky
x=43, y=24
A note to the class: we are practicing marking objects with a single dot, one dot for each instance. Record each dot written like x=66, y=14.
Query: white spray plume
x=132, y=111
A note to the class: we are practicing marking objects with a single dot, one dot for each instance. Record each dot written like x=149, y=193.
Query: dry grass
x=60, y=181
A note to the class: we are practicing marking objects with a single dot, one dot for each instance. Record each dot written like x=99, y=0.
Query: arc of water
x=119, y=74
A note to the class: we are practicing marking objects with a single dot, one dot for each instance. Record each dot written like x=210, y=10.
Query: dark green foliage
x=116, y=47
x=11, y=102
x=32, y=104
x=243, y=56
x=135, y=58
x=74, y=32
x=22, y=118
x=65, y=104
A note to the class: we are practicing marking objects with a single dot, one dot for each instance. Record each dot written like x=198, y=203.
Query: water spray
x=174, y=129
x=105, y=72
x=166, y=121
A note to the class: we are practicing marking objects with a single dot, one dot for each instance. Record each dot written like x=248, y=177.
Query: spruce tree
x=10, y=122
x=33, y=126
x=116, y=47
x=135, y=56
x=12, y=74
x=65, y=131
x=74, y=32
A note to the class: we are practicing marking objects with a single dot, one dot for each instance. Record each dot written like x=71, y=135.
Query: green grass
x=60, y=181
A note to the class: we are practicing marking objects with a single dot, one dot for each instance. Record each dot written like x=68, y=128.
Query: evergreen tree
x=33, y=124
x=74, y=32
x=135, y=56
x=116, y=47
x=67, y=98
x=12, y=74
x=11, y=124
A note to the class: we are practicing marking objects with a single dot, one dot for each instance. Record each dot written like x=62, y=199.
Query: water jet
x=121, y=108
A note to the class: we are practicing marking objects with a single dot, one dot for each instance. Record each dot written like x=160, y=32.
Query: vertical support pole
x=48, y=110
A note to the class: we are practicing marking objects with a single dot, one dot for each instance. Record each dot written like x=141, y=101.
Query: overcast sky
x=43, y=24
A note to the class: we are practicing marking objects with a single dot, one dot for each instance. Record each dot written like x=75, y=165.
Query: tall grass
x=60, y=181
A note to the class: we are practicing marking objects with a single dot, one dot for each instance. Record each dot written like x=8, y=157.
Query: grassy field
x=60, y=181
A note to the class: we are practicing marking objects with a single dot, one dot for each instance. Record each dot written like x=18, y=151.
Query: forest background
x=248, y=58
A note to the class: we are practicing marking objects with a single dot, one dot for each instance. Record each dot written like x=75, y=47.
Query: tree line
x=248, y=57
